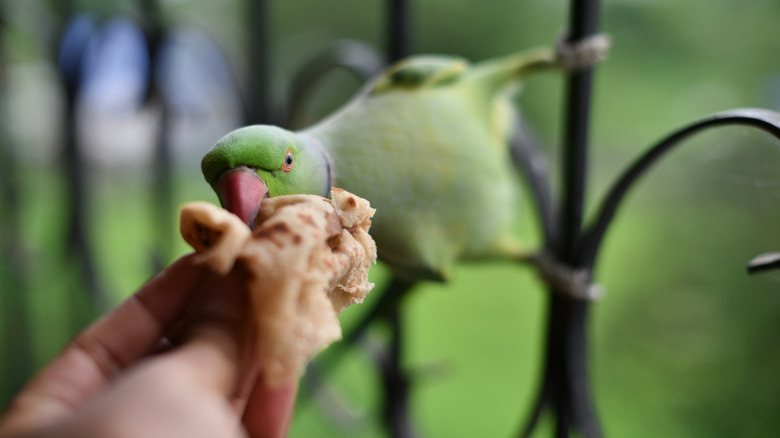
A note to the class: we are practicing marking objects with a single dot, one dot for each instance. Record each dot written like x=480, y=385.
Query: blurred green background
x=684, y=344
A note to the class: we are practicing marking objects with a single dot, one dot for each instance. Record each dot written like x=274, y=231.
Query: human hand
x=116, y=380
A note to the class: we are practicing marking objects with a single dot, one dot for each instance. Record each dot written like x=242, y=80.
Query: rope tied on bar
x=584, y=53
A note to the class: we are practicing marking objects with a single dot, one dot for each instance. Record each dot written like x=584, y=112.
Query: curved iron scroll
x=763, y=119
x=358, y=58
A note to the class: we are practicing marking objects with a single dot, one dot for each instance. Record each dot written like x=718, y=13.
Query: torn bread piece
x=217, y=237
x=307, y=258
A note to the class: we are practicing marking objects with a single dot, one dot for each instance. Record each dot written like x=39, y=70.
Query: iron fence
x=569, y=238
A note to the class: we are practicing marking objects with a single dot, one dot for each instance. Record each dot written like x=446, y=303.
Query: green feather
x=426, y=144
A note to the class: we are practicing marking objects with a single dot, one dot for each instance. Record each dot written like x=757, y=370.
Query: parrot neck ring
x=326, y=156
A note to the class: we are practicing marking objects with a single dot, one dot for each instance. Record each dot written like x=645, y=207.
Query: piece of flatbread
x=308, y=259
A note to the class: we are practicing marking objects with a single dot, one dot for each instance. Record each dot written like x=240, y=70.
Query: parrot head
x=258, y=161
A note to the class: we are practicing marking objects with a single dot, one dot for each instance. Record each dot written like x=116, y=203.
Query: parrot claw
x=574, y=283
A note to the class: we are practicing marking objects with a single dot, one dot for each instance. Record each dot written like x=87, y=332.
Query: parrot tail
x=495, y=75
x=498, y=73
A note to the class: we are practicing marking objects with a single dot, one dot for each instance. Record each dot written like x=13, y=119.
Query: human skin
x=174, y=359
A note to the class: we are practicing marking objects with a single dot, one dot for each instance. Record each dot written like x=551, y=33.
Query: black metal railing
x=565, y=388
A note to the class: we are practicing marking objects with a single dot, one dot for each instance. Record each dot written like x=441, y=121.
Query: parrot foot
x=569, y=281
x=579, y=55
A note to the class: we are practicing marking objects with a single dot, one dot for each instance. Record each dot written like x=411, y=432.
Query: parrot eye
x=288, y=162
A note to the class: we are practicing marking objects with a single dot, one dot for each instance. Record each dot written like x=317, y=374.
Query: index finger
x=129, y=332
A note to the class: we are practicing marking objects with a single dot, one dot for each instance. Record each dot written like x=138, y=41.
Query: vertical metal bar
x=398, y=29
x=162, y=189
x=259, y=107
x=395, y=379
x=77, y=246
x=569, y=317
x=565, y=387
x=583, y=22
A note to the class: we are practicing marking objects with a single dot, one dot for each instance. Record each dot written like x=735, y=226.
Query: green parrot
x=426, y=142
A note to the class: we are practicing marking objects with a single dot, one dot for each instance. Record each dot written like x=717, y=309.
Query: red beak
x=241, y=192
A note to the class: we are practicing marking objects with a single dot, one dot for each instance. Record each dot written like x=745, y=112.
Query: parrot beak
x=241, y=192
